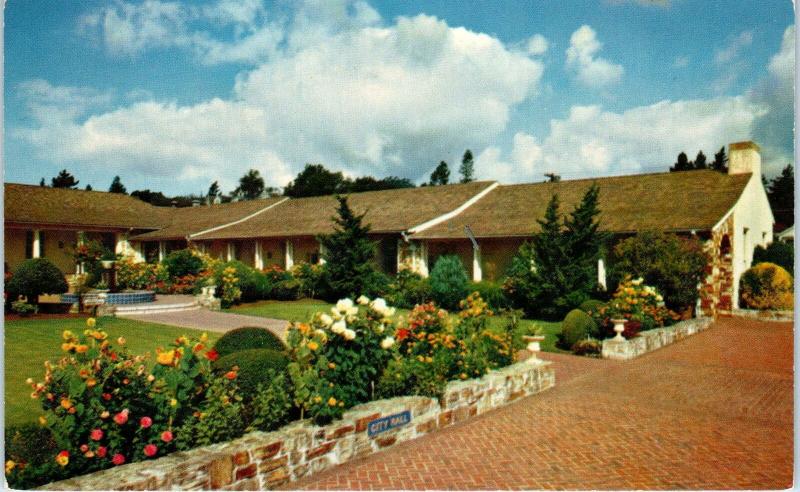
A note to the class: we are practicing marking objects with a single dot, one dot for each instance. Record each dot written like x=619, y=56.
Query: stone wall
x=264, y=461
x=766, y=315
x=650, y=340
x=716, y=290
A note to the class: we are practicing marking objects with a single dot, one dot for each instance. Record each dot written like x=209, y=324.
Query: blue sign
x=389, y=422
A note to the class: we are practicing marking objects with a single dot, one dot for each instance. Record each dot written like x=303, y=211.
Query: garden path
x=203, y=319
x=713, y=411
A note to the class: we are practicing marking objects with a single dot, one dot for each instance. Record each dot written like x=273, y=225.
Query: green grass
x=29, y=342
x=304, y=309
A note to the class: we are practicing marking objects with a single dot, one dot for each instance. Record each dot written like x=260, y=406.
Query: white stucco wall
x=752, y=214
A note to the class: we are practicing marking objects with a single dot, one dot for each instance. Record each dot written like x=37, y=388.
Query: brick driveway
x=713, y=411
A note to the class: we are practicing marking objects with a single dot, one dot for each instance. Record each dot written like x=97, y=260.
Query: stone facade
x=650, y=340
x=716, y=290
x=264, y=461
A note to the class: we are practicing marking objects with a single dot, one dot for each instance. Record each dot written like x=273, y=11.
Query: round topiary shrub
x=576, y=326
x=254, y=366
x=35, y=277
x=591, y=306
x=449, y=283
x=767, y=286
x=183, y=262
x=248, y=337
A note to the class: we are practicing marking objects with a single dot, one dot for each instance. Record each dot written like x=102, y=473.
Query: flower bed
x=267, y=460
x=650, y=340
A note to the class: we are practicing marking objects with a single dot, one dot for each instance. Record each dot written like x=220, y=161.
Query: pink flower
x=101, y=451
x=145, y=422
x=96, y=434
x=166, y=436
x=118, y=459
x=121, y=417
x=150, y=450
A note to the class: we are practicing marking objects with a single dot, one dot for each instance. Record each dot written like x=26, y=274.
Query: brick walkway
x=711, y=412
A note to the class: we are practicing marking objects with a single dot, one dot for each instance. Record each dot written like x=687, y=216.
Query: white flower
x=387, y=342
x=659, y=298
x=638, y=281
x=363, y=300
x=349, y=334
x=339, y=327
x=379, y=329
x=352, y=311
x=379, y=306
x=390, y=312
x=325, y=319
x=344, y=305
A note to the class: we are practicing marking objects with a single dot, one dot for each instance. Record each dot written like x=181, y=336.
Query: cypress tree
x=583, y=241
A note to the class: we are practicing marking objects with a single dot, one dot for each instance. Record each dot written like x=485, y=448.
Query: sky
x=173, y=95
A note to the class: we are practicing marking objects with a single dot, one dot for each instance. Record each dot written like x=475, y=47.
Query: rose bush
x=640, y=304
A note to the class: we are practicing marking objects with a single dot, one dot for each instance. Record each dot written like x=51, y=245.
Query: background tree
x=368, y=183
x=349, y=255
x=682, y=164
x=117, y=186
x=780, y=193
x=88, y=187
x=700, y=161
x=315, y=180
x=251, y=185
x=213, y=191
x=64, y=180
x=467, y=168
x=42, y=183
x=440, y=175
x=720, y=161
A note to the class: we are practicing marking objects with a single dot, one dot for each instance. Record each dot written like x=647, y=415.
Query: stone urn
x=107, y=264
x=619, y=327
x=533, y=346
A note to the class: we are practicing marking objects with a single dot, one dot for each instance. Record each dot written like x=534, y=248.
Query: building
x=484, y=223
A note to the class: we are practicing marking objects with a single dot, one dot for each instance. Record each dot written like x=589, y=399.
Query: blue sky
x=173, y=95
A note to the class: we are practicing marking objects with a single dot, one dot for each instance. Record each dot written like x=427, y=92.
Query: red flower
x=212, y=355
x=84, y=448
x=106, y=396
x=121, y=417
x=145, y=422
x=230, y=374
x=101, y=451
x=166, y=436
x=150, y=450
x=118, y=459
x=96, y=434
x=402, y=334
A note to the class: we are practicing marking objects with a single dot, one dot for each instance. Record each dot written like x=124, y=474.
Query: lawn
x=29, y=342
x=304, y=309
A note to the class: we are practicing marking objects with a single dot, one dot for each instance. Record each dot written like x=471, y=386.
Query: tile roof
x=30, y=204
x=386, y=211
x=667, y=201
x=184, y=221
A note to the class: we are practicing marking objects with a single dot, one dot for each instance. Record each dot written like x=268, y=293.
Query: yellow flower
x=463, y=376
x=91, y=382
x=91, y=322
x=312, y=345
x=166, y=358
x=121, y=340
x=332, y=401
x=66, y=335
x=99, y=335
x=42, y=420
x=10, y=466
x=173, y=402
x=204, y=337
x=317, y=399
x=331, y=365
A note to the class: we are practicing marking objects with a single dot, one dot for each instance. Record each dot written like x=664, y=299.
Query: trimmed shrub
x=778, y=252
x=409, y=289
x=246, y=338
x=591, y=306
x=449, y=283
x=575, y=327
x=492, y=293
x=673, y=265
x=183, y=262
x=35, y=277
x=254, y=366
x=767, y=286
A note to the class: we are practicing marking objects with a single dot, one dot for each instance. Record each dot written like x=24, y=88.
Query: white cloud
x=537, y=45
x=590, y=69
x=364, y=99
x=681, y=62
x=734, y=47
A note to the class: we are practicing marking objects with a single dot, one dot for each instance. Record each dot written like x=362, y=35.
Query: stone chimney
x=744, y=157
x=195, y=203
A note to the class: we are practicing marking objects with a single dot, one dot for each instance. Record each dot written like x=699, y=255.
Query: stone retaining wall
x=764, y=315
x=650, y=340
x=264, y=461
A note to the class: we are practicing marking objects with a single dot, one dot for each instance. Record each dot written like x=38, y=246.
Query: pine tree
x=550, y=261
x=682, y=164
x=440, y=175
x=117, y=186
x=64, y=180
x=251, y=185
x=467, y=168
x=780, y=193
x=700, y=161
x=213, y=191
x=720, y=161
x=583, y=241
x=349, y=255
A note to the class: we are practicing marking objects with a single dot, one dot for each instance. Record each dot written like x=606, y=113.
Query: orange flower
x=81, y=349
x=62, y=458
x=166, y=358
x=230, y=374
x=65, y=403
